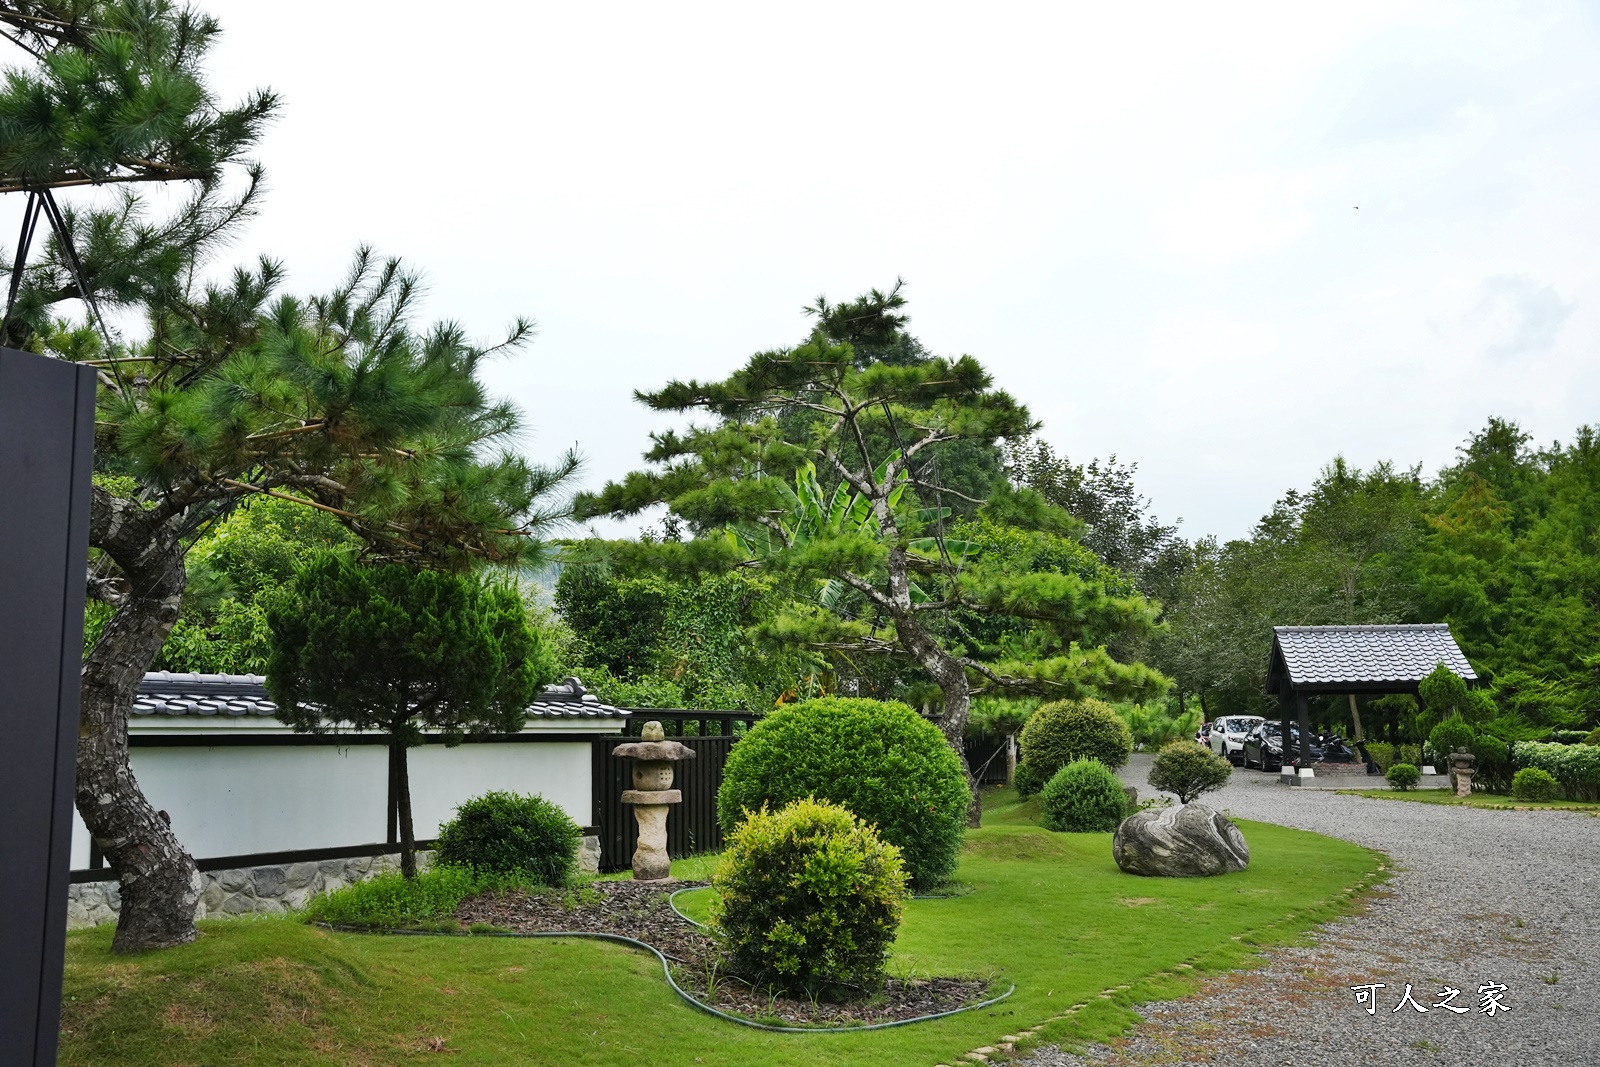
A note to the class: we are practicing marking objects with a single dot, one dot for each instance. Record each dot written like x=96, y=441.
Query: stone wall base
x=269, y=890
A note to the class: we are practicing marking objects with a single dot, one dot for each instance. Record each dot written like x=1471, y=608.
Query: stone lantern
x=651, y=795
x=1461, y=771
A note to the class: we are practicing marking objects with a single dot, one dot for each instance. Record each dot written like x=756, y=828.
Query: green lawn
x=1050, y=912
x=1476, y=800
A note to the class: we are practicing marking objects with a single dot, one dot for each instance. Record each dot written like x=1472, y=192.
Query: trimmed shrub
x=1448, y=736
x=512, y=834
x=1382, y=753
x=1573, y=737
x=1492, y=768
x=1403, y=776
x=1411, y=754
x=1531, y=783
x=393, y=900
x=808, y=899
x=881, y=760
x=1576, y=767
x=1187, y=770
x=1028, y=781
x=1084, y=797
x=1068, y=730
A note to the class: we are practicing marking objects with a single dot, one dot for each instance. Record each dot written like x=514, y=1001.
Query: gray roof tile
x=165, y=693
x=1333, y=655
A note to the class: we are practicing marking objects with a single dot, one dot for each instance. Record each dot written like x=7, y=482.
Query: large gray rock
x=1188, y=841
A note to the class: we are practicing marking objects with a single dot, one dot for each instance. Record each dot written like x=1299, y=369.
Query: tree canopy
x=884, y=574
x=401, y=650
x=231, y=390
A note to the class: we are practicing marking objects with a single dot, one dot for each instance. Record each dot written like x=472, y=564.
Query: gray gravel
x=1480, y=896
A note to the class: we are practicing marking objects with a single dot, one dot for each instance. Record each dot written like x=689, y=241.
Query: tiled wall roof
x=166, y=693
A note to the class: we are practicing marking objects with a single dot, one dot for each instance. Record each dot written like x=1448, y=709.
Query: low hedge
x=1576, y=767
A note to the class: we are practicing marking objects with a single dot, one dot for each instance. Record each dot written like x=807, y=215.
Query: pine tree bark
x=947, y=672
x=160, y=885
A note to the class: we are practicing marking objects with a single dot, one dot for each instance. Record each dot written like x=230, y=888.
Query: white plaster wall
x=442, y=778
x=239, y=800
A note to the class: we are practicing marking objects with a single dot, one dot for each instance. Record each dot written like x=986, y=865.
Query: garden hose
x=666, y=969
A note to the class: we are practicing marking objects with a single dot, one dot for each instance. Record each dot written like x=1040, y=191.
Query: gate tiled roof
x=1330, y=656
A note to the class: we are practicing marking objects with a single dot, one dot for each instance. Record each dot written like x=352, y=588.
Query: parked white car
x=1227, y=735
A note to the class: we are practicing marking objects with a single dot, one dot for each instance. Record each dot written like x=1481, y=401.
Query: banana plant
x=813, y=515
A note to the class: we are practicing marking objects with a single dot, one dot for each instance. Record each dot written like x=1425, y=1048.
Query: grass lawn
x=1050, y=912
x=1476, y=800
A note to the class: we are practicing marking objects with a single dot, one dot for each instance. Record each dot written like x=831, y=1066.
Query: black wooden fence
x=692, y=825
x=987, y=757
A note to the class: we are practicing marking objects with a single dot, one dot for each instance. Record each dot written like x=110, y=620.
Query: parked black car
x=1263, y=746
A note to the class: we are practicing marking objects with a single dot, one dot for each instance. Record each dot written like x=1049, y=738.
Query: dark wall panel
x=46, y=436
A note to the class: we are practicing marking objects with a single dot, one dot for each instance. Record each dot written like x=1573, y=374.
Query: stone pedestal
x=651, y=797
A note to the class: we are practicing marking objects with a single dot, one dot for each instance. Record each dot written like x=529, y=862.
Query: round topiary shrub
x=1184, y=768
x=1532, y=783
x=881, y=760
x=1448, y=736
x=512, y=834
x=808, y=899
x=1068, y=730
x=1083, y=797
x=1403, y=776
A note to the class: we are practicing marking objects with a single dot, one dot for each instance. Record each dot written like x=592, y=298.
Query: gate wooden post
x=46, y=445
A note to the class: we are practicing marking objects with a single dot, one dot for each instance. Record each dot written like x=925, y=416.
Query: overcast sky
x=1226, y=242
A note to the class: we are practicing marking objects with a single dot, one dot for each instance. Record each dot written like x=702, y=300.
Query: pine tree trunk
x=160, y=886
x=945, y=670
x=408, y=835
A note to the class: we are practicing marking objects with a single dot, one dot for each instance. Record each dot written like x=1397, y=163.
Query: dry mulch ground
x=640, y=910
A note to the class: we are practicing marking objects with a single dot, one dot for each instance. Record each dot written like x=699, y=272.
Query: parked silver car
x=1227, y=735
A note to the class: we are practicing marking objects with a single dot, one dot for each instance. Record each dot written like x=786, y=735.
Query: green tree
x=230, y=391
x=235, y=569
x=888, y=575
x=401, y=650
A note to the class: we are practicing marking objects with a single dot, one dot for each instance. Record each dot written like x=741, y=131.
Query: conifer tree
x=889, y=580
x=232, y=392
x=402, y=650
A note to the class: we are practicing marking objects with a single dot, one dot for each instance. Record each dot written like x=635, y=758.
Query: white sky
x=1223, y=242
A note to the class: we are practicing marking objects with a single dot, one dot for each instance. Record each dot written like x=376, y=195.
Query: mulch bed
x=640, y=910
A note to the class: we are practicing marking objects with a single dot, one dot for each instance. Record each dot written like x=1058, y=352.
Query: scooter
x=1334, y=750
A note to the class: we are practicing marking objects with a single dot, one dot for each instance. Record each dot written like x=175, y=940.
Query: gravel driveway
x=1504, y=897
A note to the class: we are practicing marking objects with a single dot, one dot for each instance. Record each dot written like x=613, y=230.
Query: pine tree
x=234, y=391
x=890, y=581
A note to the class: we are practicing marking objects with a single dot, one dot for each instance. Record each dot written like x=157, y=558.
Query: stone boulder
x=1187, y=841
